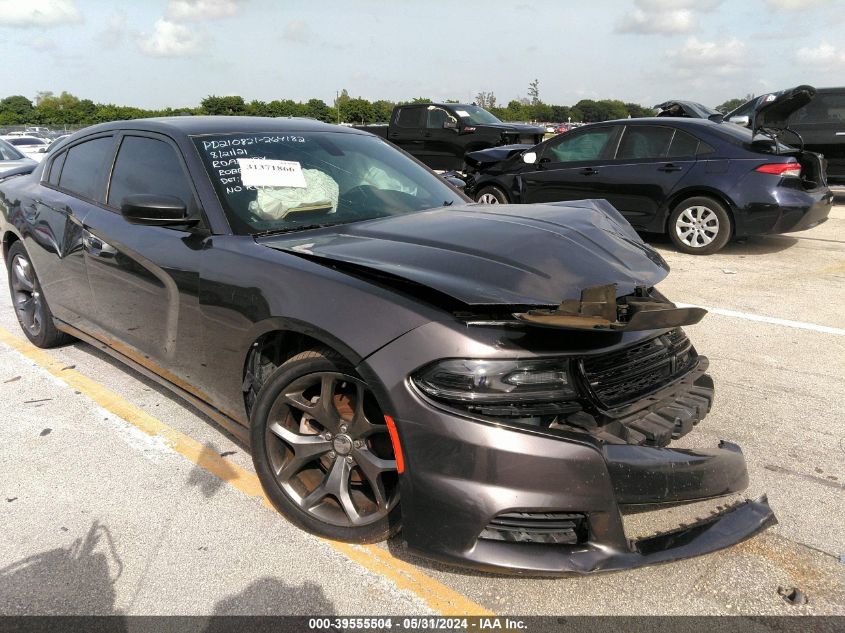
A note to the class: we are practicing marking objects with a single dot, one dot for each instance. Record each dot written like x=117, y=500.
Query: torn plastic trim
x=721, y=530
x=598, y=309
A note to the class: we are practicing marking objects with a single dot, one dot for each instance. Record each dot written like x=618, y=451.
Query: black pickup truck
x=440, y=134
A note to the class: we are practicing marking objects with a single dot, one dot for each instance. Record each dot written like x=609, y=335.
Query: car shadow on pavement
x=270, y=596
x=755, y=245
x=103, y=357
x=77, y=579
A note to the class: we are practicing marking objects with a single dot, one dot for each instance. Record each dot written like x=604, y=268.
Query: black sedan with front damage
x=502, y=382
x=703, y=182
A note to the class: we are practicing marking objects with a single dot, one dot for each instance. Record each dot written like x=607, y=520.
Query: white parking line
x=826, y=329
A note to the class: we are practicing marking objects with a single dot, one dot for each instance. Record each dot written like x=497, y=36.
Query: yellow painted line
x=436, y=595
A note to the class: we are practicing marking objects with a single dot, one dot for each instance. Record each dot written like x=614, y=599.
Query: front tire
x=31, y=307
x=322, y=451
x=700, y=226
x=491, y=195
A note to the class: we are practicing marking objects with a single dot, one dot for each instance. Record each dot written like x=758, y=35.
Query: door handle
x=669, y=167
x=840, y=134
x=589, y=171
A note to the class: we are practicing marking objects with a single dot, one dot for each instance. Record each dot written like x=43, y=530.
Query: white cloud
x=825, y=55
x=695, y=57
x=795, y=5
x=25, y=13
x=42, y=43
x=667, y=22
x=115, y=31
x=169, y=39
x=297, y=31
x=196, y=10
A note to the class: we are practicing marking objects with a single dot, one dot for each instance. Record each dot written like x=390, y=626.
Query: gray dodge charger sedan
x=501, y=382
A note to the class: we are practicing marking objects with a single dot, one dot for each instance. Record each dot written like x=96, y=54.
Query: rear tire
x=31, y=307
x=491, y=195
x=700, y=226
x=326, y=464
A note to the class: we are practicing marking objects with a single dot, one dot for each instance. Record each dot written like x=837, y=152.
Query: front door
x=145, y=279
x=569, y=167
x=440, y=148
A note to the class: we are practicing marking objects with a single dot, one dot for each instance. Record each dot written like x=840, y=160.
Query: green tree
x=486, y=100
x=317, y=109
x=357, y=110
x=229, y=105
x=16, y=109
x=534, y=92
x=382, y=111
x=636, y=110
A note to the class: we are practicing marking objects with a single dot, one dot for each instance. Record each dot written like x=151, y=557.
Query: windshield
x=285, y=182
x=474, y=114
x=7, y=152
x=26, y=140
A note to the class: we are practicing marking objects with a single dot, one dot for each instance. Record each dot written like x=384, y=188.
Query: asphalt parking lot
x=118, y=498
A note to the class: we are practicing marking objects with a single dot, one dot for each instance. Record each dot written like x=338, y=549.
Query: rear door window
x=85, y=167
x=149, y=166
x=409, y=117
x=56, y=169
x=682, y=145
x=641, y=141
x=824, y=108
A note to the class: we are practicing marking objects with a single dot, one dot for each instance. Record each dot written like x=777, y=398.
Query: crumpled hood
x=484, y=158
x=527, y=255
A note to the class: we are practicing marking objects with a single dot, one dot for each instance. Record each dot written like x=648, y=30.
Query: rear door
x=569, y=167
x=145, y=279
x=650, y=161
x=821, y=124
x=406, y=128
x=73, y=184
x=440, y=149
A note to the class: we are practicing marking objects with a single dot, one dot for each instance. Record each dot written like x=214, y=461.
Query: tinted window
x=85, y=166
x=148, y=166
x=436, y=118
x=683, y=144
x=27, y=140
x=825, y=108
x=56, y=168
x=587, y=145
x=409, y=117
x=644, y=142
x=7, y=152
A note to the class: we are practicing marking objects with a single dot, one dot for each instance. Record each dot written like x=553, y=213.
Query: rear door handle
x=669, y=167
x=589, y=171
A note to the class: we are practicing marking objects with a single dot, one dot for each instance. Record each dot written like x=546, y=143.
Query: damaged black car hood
x=525, y=255
x=484, y=158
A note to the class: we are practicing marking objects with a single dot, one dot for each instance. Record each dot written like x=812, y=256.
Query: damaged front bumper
x=499, y=500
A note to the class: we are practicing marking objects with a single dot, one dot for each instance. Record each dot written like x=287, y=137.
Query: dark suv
x=819, y=125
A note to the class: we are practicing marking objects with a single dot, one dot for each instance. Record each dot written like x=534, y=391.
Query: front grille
x=559, y=528
x=632, y=372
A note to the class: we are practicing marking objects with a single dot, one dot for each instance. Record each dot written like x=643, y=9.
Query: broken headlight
x=511, y=388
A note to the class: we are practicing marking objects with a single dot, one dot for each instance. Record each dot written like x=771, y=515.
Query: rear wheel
x=491, y=195
x=31, y=308
x=700, y=226
x=322, y=450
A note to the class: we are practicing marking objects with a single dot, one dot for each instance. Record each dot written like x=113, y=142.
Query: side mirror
x=529, y=158
x=454, y=179
x=153, y=210
x=450, y=125
x=742, y=119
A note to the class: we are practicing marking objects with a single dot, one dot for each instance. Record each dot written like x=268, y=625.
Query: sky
x=159, y=53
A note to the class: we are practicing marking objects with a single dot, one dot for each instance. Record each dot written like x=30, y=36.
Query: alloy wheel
x=697, y=226
x=329, y=451
x=27, y=296
x=488, y=198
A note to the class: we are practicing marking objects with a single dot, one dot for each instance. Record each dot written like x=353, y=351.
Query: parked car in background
x=440, y=134
x=11, y=159
x=818, y=125
x=699, y=181
x=688, y=109
x=562, y=128
x=30, y=146
x=496, y=381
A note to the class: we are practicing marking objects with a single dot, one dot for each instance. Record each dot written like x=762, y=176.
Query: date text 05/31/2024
x=418, y=623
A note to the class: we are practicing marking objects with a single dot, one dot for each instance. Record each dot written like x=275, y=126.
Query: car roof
x=200, y=125
x=678, y=121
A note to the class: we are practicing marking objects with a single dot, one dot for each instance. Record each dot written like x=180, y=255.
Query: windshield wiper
x=291, y=229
